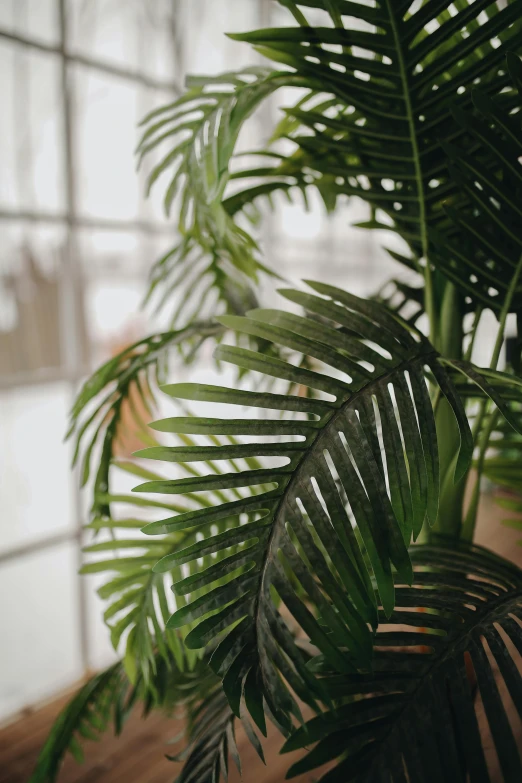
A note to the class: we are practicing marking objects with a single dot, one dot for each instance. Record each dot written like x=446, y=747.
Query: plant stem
x=468, y=527
x=470, y=520
x=469, y=349
x=449, y=344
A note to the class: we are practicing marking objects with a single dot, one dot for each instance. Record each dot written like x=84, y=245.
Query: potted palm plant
x=320, y=561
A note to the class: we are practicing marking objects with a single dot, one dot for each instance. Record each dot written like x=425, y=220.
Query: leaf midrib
x=416, y=159
x=423, y=357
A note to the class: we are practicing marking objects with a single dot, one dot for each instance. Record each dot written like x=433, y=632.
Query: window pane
x=161, y=40
x=151, y=206
x=36, y=495
x=104, y=30
x=113, y=308
x=204, y=24
x=40, y=620
x=138, y=36
x=115, y=266
x=31, y=137
x=106, y=120
x=36, y=19
x=108, y=111
x=106, y=252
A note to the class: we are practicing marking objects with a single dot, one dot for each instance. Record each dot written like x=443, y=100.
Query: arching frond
x=397, y=69
x=381, y=83
x=407, y=301
x=201, y=130
x=453, y=644
x=106, y=699
x=492, y=384
x=362, y=479
x=212, y=740
x=138, y=600
x=485, y=253
x=112, y=391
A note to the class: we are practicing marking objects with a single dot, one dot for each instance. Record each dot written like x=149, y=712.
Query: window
x=78, y=240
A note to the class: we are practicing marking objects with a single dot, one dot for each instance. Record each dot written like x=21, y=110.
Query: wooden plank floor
x=138, y=756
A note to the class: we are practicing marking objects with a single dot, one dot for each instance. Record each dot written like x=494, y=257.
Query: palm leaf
x=489, y=384
x=106, y=698
x=96, y=415
x=201, y=130
x=295, y=540
x=415, y=717
x=406, y=301
x=380, y=86
x=138, y=600
x=398, y=68
x=504, y=385
x=212, y=740
x=484, y=254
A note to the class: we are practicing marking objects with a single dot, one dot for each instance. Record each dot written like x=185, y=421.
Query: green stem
x=296, y=13
x=468, y=528
x=469, y=349
x=470, y=520
x=449, y=344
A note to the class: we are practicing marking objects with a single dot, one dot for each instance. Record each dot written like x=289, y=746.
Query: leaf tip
x=141, y=487
x=233, y=322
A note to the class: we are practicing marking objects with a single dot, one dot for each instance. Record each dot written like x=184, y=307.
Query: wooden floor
x=138, y=756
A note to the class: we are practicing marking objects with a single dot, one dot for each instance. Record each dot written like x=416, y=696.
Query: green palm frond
x=201, y=130
x=416, y=716
x=137, y=603
x=211, y=736
x=406, y=301
x=105, y=700
x=381, y=82
x=362, y=479
x=137, y=598
x=175, y=278
x=397, y=68
x=483, y=383
x=485, y=253
x=503, y=385
x=97, y=411
x=212, y=740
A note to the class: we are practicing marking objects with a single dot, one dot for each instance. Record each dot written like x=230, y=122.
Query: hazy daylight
x=261, y=391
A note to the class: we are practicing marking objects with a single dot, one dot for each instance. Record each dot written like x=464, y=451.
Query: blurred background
x=78, y=239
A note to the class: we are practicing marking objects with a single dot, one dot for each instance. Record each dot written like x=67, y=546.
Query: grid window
x=78, y=240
